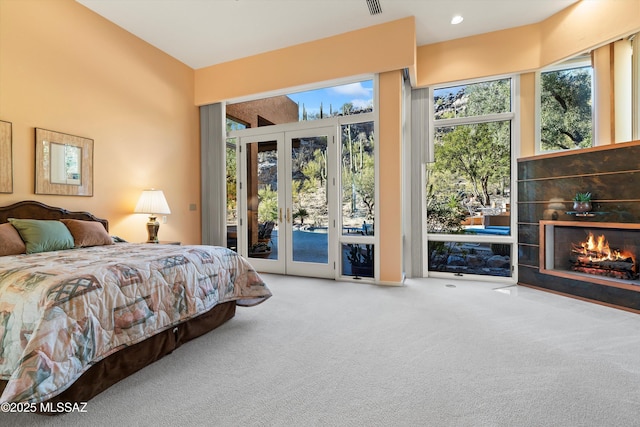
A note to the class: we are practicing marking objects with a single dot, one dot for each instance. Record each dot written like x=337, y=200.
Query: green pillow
x=43, y=235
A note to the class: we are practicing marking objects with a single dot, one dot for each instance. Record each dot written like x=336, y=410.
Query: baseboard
x=386, y=283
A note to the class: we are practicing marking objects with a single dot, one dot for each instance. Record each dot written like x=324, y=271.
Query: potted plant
x=264, y=231
x=260, y=250
x=361, y=260
x=582, y=202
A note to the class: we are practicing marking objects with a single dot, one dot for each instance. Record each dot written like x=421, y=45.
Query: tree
x=470, y=158
x=267, y=204
x=316, y=168
x=358, y=166
x=565, y=113
x=231, y=183
x=445, y=214
x=480, y=153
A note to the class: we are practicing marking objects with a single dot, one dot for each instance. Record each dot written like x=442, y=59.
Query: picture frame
x=64, y=164
x=6, y=157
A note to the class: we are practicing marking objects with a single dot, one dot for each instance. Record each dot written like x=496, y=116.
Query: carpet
x=434, y=352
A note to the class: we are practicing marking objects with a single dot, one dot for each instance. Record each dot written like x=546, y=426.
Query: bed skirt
x=129, y=360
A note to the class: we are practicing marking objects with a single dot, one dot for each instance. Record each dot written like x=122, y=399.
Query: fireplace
x=595, y=252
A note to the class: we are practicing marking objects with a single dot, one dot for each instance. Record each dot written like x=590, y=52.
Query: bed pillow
x=43, y=235
x=87, y=233
x=10, y=241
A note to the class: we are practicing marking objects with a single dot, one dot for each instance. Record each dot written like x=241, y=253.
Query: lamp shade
x=152, y=202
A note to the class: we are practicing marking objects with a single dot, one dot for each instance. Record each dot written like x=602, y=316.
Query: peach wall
x=578, y=28
x=527, y=114
x=65, y=68
x=390, y=166
x=498, y=52
x=380, y=48
x=601, y=59
x=585, y=25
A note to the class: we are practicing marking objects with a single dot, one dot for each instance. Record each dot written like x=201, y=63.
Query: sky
x=360, y=94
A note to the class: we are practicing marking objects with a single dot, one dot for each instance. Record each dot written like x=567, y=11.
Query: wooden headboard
x=30, y=209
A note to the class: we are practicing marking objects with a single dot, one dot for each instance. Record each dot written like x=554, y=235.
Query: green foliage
x=566, y=109
x=358, y=167
x=488, y=97
x=301, y=214
x=308, y=186
x=480, y=153
x=445, y=214
x=316, y=168
x=231, y=182
x=267, y=204
x=265, y=229
x=439, y=253
x=472, y=160
x=259, y=247
x=582, y=197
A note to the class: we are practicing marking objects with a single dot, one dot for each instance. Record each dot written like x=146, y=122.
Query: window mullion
x=473, y=119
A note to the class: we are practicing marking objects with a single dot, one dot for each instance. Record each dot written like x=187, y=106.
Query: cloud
x=352, y=89
x=361, y=103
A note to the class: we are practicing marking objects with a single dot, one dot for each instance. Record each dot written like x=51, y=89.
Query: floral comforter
x=62, y=311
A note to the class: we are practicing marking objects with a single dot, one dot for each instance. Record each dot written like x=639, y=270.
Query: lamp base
x=152, y=229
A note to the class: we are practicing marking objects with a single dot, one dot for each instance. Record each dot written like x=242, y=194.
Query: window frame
x=577, y=62
x=513, y=117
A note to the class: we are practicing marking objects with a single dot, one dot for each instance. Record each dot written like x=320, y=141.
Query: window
x=358, y=199
x=468, y=188
x=358, y=179
x=566, y=106
x=340, y=100
x=235, y=124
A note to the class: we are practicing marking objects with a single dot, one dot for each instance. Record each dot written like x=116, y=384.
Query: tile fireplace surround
x=546, y=186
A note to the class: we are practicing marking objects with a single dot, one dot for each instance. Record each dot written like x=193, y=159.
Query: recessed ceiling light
x=456, y=20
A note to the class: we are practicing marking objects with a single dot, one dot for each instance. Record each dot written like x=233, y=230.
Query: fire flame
x=596, y=249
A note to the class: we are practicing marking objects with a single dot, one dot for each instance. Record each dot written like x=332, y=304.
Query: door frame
x=267, y=265
x=300, y=268
x=283, y=135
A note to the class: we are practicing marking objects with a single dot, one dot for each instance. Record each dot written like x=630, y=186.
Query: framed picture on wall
x=64, y=164
x=6, y=158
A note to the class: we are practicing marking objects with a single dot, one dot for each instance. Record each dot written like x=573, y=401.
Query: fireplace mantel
x=556, y=247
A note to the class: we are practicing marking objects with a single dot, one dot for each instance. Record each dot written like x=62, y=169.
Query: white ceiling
x=206, y=32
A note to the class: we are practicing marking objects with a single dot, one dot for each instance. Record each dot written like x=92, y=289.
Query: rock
x=498, y=261
x=475, y=261
x=456, y=260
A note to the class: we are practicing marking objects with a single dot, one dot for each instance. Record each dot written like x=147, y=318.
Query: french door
x=287, y=189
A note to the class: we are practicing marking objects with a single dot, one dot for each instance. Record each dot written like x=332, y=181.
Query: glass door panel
x=309, y=198
x=262, y=219
x=310, y=216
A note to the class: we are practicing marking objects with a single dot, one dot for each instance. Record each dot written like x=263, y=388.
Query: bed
x=76, y=320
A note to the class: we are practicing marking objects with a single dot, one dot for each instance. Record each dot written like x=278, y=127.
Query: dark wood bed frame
x=110, y=370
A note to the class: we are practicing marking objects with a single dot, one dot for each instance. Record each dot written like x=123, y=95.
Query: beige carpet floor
x=430, y=353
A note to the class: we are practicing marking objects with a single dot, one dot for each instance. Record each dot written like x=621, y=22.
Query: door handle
x=280, y=214
x=288, y=215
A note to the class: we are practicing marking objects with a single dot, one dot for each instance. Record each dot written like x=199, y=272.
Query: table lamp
x=152, y=203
